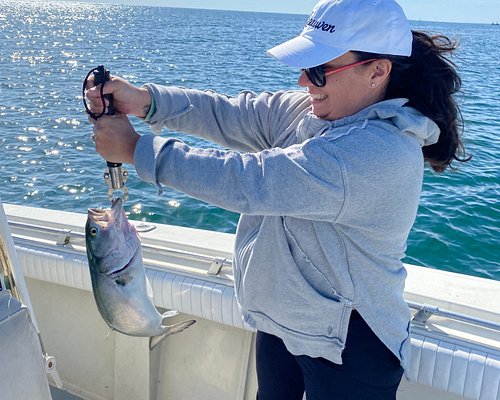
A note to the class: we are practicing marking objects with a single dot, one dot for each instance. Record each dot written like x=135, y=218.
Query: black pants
x=369, y=370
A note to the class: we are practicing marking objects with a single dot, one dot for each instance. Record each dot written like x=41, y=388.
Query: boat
x=455, y=326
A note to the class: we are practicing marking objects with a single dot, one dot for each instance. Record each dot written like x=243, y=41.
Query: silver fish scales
x=121, y=289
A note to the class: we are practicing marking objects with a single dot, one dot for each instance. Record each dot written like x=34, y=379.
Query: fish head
x=112, y=241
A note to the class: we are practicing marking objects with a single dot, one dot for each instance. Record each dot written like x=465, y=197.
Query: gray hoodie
x=326, y=206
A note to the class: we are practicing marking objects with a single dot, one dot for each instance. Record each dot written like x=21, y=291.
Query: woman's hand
x=127, y=98
x=115, y=138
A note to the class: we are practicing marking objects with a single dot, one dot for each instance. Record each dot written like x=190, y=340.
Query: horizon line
x=117, y=2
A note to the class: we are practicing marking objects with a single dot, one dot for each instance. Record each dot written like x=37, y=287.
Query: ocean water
x=48, y=159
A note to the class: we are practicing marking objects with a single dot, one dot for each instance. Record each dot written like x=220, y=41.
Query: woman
x=328, y=183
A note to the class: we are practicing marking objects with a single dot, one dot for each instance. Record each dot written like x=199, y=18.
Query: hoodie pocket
x=276, y=294
x=294, y=306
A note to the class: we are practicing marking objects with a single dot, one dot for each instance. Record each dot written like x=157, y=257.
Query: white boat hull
x=190, y=272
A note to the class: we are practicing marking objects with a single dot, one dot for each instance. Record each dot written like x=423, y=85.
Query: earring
x=373, y=84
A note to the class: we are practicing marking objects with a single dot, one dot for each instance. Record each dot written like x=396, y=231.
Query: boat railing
x=214, y=265
x=65, y=237
x=426, y=311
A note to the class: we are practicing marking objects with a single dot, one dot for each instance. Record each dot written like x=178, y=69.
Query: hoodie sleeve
x=305, y=180
x=247, y=122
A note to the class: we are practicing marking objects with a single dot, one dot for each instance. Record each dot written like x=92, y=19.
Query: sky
x=477, y=11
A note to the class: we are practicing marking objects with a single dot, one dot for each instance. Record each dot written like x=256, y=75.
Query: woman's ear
x=380, y=71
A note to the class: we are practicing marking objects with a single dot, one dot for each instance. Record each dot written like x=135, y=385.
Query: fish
x=122, y=292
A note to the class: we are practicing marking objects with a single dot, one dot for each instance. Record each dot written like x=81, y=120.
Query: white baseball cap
x=338, y=26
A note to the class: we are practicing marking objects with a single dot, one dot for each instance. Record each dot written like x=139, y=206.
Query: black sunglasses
x=317, y=75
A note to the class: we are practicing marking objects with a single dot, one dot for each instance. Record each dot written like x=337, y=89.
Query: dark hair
x=429, y=80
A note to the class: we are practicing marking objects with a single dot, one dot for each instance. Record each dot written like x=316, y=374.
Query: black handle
x=101, y=75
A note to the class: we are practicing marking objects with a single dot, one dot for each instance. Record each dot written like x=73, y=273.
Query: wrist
x=146, y=100
x=152, y=108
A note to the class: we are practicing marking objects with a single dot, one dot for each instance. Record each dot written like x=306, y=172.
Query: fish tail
x=171, y=330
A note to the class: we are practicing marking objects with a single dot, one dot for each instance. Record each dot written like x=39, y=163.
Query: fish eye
x=94, y=231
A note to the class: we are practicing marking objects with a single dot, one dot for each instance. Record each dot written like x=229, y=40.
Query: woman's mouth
x=317, y=96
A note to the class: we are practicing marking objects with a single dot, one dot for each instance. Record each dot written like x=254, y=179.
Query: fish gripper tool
x=115, y=175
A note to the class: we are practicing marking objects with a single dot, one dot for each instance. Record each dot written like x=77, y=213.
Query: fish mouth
x=102, y=217
x=105, y=216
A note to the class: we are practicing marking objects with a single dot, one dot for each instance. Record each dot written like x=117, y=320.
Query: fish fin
x=124, y=279
x=169, y=313
x=171, y=330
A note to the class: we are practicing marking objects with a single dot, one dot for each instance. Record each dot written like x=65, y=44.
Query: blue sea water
x=48, y=159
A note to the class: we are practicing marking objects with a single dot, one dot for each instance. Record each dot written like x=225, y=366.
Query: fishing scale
x=115, y=175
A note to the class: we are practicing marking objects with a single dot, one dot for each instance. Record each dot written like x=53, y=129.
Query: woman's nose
x=303, y=79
